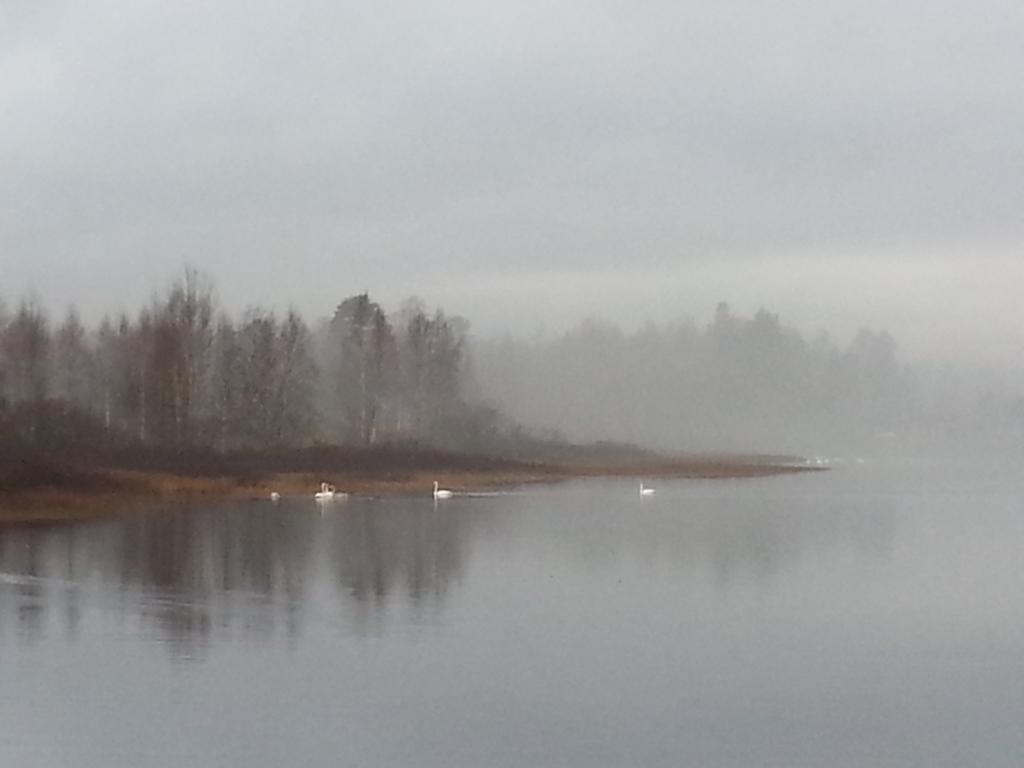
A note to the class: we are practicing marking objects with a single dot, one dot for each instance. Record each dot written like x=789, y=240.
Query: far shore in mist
x=181, y=378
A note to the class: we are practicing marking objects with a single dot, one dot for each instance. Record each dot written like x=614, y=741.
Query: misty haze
x=457, y=385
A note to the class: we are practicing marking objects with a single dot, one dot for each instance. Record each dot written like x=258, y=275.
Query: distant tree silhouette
x=364, y=370
x=26, y=349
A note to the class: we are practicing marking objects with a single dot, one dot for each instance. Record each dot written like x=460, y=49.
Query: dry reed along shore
x=44, y=488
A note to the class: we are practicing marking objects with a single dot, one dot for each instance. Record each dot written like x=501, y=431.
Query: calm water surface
x=867, y=616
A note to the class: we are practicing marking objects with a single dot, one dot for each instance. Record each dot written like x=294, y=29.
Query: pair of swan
x=327, y=492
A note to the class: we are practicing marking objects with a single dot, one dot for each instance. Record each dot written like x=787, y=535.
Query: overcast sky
x=526, y=164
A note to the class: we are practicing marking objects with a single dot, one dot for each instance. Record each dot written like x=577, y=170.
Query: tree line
x=734, y=383
x=184, y=374
x=181, y=373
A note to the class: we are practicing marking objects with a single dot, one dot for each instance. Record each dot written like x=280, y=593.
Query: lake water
x=868, y=616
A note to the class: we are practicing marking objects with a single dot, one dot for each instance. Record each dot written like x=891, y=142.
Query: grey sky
x=845, y=163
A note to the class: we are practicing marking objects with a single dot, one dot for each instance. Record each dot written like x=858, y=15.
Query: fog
x=748, y=383
x=842, y=166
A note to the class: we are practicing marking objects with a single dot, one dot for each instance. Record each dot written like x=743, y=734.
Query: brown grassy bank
x=45, y=490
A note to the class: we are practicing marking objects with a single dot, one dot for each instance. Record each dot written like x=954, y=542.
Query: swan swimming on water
x=441, y=493
x=275, y=496
x=326, y=492
x=644, y=491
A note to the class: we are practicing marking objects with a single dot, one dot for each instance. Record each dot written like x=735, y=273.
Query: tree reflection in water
x=190, y=575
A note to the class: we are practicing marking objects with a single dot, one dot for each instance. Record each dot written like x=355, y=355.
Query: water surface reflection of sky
x=255, y=571
x=846, y=619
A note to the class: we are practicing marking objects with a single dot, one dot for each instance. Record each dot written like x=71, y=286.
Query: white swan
x=275, y=496
x=644, y=491
x=326, y=492
x=441, y=493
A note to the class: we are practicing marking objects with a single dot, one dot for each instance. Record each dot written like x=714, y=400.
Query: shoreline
x=114, y=492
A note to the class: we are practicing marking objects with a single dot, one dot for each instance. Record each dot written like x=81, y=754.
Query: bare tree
x=431, y=358
x=226, y=387
x=258, y=375
x=414, y=355
x=296, y=381
x=26, y=345
x=104, y=384
x=4, y=320
x=72, y=362
x=365, y=369
x=264, y=380
x=183, y=339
